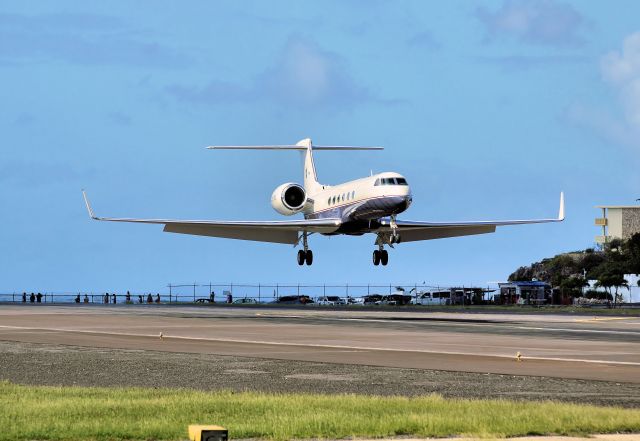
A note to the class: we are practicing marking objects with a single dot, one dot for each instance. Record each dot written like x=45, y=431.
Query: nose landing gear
x=305, y=255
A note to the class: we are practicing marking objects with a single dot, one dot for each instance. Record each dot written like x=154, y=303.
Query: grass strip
x=82, y=413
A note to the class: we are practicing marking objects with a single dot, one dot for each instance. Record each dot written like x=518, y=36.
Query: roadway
x=552, y=345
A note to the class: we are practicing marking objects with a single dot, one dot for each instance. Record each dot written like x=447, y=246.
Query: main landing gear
x=305, y=255
x=380, y=256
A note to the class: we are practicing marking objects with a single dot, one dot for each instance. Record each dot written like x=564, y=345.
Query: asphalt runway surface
x=596, y=356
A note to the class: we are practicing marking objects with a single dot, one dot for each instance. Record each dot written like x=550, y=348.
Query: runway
x=551, y=345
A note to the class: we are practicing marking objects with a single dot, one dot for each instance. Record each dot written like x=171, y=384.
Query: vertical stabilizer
x=311, y=184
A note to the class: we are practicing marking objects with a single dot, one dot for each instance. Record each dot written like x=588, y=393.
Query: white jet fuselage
x=357, y=203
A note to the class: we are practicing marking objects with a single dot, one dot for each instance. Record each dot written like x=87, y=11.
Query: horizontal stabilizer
x=290, y=147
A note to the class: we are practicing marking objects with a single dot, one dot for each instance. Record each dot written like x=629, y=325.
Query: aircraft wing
x=412, y=231
x=262, y=231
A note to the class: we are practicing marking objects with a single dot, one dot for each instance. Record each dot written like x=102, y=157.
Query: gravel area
x=41, y=364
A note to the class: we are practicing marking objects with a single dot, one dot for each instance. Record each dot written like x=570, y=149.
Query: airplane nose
x=407, y=202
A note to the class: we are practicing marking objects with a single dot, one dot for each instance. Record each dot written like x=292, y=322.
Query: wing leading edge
x=413, y=231
x=262, y=231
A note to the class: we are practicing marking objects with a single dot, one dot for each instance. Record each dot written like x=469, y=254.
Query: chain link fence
x=326, y=294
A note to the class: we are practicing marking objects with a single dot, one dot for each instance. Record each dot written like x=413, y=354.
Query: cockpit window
x=391, y=181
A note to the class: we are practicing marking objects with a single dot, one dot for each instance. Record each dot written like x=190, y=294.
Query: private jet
x=366, y=205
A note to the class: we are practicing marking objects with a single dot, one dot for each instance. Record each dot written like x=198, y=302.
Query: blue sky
x=489, y=109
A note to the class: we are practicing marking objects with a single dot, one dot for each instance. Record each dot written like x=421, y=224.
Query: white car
x=432, y=298
x=331, y=300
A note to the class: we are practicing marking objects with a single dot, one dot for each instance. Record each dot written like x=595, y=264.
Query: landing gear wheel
x=376, y=257
x=384, y=257
x=309, y=257
x=301, y=257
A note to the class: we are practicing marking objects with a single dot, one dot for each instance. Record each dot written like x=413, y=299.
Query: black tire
x=309, y=257
x=384, y=257
x=301, y=257
x=376, y=257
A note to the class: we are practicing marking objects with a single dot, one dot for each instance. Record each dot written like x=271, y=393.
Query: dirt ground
x=41, y=364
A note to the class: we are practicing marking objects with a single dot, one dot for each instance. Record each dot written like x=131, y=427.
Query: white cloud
x=621, y=71
x=546, y=22
x=303, y=76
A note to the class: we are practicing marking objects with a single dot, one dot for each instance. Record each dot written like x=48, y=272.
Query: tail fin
x=311, y=184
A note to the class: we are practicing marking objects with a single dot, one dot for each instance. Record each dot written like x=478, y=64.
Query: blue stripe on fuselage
x=365, y=209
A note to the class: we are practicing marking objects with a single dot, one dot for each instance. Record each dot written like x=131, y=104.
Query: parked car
x=331, y=300
x=294, y=300
x=396, y=299
x=245, y=301
x=372, y=299
x=433, y=298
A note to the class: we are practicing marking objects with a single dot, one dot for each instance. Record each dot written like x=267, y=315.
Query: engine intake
x=289, y=198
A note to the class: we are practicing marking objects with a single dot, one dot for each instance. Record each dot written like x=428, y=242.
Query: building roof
x=526, y=283
x=618, y=206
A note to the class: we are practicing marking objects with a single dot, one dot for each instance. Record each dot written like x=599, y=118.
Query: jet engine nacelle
x=289, y=198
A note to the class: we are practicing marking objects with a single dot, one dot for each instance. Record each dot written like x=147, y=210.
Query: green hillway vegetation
x=81, y=413
x=569, y=272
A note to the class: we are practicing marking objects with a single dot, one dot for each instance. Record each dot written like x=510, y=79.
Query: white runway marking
x=316, y=345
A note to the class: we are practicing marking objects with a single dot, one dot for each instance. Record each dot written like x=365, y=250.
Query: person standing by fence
x=39, y=298
x=24, y=297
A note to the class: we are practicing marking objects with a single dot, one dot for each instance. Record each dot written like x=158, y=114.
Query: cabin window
x=334, y=199
x=353, y=194
x=377, y=182
x=329, y=201
x=401, y=181
x=342, y=197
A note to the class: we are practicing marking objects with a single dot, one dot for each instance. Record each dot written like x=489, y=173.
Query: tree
x=573, y=285
x=632, y=253
x=611, y=275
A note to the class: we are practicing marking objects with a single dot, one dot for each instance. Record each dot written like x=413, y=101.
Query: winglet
x=89, y=209
x=561, y=211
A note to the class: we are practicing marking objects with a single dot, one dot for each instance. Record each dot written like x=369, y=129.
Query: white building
x=618, y=221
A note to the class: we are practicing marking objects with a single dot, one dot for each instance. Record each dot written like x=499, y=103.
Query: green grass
x=80, y=413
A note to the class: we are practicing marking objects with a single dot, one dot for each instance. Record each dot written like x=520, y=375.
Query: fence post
x=347, y=290
x=259, y=293
x=194, y=292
